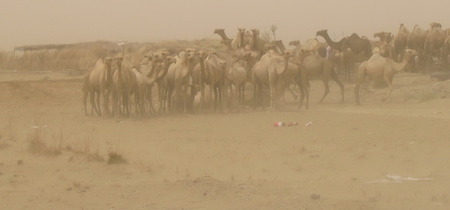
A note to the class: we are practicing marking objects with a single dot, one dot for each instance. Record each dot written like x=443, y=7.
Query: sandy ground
x=345, y=159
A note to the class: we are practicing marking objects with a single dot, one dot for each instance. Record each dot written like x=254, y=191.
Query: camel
x=198, y=80
x=239, y=74
x=384, y=44
x=238, y=41
x=125, y=83
x=400, y=41
x=446, y=50
x=214, y=77
x=379, y=67
x=434, y=42
x=268, y=71
x=416, y=41
x=101, y=83
x=178, y=78
x=354, y=42
x=294, y=43
x=225, y=40
x=316, y=67
x=256, y=42
x=86, y=89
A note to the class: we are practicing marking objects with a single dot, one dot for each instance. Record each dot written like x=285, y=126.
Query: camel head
x=410, y=53
x=191, y=54
x=202, y=55
x=322, y=32
x=219, y=31
x=241, y=32
x=107, y=61
x=255, y=32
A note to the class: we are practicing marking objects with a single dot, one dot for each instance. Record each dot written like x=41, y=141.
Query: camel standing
x=400, y=41
x=379, y=67
x=125, y=83
x=101, y=83
x=239, y=41
x=178, y=78
x=434, y=42
x=316, y=67
x=268, y=72
x=214, y=77
x=225, y=40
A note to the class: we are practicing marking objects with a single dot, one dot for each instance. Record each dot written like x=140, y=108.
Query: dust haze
x=178, y=118
x=55, y=22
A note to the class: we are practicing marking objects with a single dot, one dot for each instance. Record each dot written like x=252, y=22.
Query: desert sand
x=391, y=155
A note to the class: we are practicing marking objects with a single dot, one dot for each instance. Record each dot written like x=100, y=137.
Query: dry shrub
x=87, y=147
x=113, y=156
x=39, y=142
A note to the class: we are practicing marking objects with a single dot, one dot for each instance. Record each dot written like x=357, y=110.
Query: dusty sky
x=25, y=22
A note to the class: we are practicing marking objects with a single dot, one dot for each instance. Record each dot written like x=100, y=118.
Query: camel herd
x=182, y=78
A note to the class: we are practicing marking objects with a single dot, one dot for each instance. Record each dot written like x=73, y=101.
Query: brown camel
x=354, y=42
x=416, y=41
x=400, y=41
x=225, y=40
x=434, y=42
x=256, y=42
x=101, y=83
x=382, y=68
x=316, y=67
x=294, y=43
x=239, y=41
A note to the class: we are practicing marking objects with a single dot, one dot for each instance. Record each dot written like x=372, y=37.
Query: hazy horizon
x=62, y=21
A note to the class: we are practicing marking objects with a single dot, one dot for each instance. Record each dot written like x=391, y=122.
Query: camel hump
x=354, y=35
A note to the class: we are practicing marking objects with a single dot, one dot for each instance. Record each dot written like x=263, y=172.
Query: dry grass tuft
x=114, y=157
x=38, y=142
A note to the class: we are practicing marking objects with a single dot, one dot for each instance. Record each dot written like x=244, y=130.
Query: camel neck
x=108, y=73
x=223, y=35
x=400, y=66
x=331, y=43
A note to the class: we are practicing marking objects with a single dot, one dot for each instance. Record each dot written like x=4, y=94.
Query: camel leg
x=99, y=111
x=327, y=90
x=220, y=97
x=389, y=83
x=335, y=77
x=85, y=95
x=359, y=81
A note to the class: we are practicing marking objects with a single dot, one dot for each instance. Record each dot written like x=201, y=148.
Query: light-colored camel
x=434, y=42
x=268, y=72
x=101, y=83
x=86, y=90
x=238, y=75
x=382, y=68
x=178, y=79
x=316, y=67
x=214, y=77
x=125, y=84
x=239, y=40
x=198, y=80
x=225, y=40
